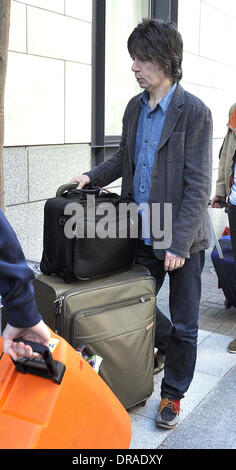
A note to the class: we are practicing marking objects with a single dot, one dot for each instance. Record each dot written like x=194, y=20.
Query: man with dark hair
x=158, y=42
x=165, y=157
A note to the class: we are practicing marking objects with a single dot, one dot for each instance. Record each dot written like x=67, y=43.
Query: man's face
x=148, y=75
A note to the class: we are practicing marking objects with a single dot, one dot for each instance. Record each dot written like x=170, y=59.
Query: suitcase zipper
x=60, y=308
x=114, y=305
x=61, y=301
x=96, y=309
x=58, y=315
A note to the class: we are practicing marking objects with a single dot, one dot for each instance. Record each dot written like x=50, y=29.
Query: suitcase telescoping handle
x=217, y=244
x=45, y=367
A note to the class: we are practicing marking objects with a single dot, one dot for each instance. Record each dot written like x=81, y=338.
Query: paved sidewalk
x=209, y=407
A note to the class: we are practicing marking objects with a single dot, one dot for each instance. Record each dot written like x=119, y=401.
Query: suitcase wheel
x=227, y=304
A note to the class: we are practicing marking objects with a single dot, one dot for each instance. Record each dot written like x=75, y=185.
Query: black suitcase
x=71, y=255
x=112, y=317
x=225, y=267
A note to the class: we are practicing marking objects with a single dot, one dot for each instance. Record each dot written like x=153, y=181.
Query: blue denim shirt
x=148, y=134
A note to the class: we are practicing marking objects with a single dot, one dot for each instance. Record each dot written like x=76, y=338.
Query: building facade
x=68, y=81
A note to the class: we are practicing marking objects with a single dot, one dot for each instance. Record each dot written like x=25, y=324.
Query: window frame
x=164, y=9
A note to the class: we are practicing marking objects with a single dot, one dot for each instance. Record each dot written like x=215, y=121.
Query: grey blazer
x=182, y=169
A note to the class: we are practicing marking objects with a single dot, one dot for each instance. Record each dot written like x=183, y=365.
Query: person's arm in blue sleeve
x=16, y=279
x=16, y=289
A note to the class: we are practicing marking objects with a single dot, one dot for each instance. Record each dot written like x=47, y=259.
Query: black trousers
x=232, y=226
x=176, y=339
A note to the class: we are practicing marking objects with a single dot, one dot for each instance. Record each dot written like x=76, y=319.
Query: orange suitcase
x=74, y=409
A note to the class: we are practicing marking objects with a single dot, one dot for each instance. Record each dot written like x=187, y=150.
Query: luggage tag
x=45, y=367
x=92, y=359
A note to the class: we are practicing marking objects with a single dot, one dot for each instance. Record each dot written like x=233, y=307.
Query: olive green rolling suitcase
x=114, y=317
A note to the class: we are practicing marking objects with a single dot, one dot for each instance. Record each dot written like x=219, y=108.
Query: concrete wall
x=49, y=73
x=47, y=108
x=32, y=175
x=209, y=66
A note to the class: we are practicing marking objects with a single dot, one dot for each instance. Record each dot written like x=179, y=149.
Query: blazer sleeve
x=221, y=189
x=197, y=180
x=16, y=279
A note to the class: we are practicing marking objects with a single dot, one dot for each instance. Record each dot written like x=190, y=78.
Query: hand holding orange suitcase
x=81, y=412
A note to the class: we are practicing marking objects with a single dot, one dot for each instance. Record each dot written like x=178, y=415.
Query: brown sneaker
x=168, y=413
x=159, y=362
x=232, y=346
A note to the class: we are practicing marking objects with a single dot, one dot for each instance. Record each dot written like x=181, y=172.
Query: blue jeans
x=176, y=339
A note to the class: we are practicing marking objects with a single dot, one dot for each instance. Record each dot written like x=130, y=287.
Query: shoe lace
x=174, y=405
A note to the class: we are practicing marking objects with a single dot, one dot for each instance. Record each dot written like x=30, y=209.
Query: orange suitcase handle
x=46, y=367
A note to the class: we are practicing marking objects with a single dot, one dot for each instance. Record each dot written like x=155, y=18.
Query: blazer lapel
x=172, y=116
x=133, y=129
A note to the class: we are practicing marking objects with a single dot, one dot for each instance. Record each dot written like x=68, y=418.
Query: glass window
x=120, y=85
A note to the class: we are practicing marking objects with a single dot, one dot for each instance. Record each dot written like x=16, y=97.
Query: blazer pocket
x=176, y=147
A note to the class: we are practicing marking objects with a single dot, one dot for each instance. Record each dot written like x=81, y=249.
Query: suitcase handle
x=46, y=367
x=66, y=187
x=94, y=190
x=221, y=203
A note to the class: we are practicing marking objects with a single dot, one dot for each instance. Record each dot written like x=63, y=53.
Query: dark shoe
x=159, y=362
x=232, y=346
x=168, y=413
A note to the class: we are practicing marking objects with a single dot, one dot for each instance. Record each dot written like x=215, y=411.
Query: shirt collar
x=165, y=101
